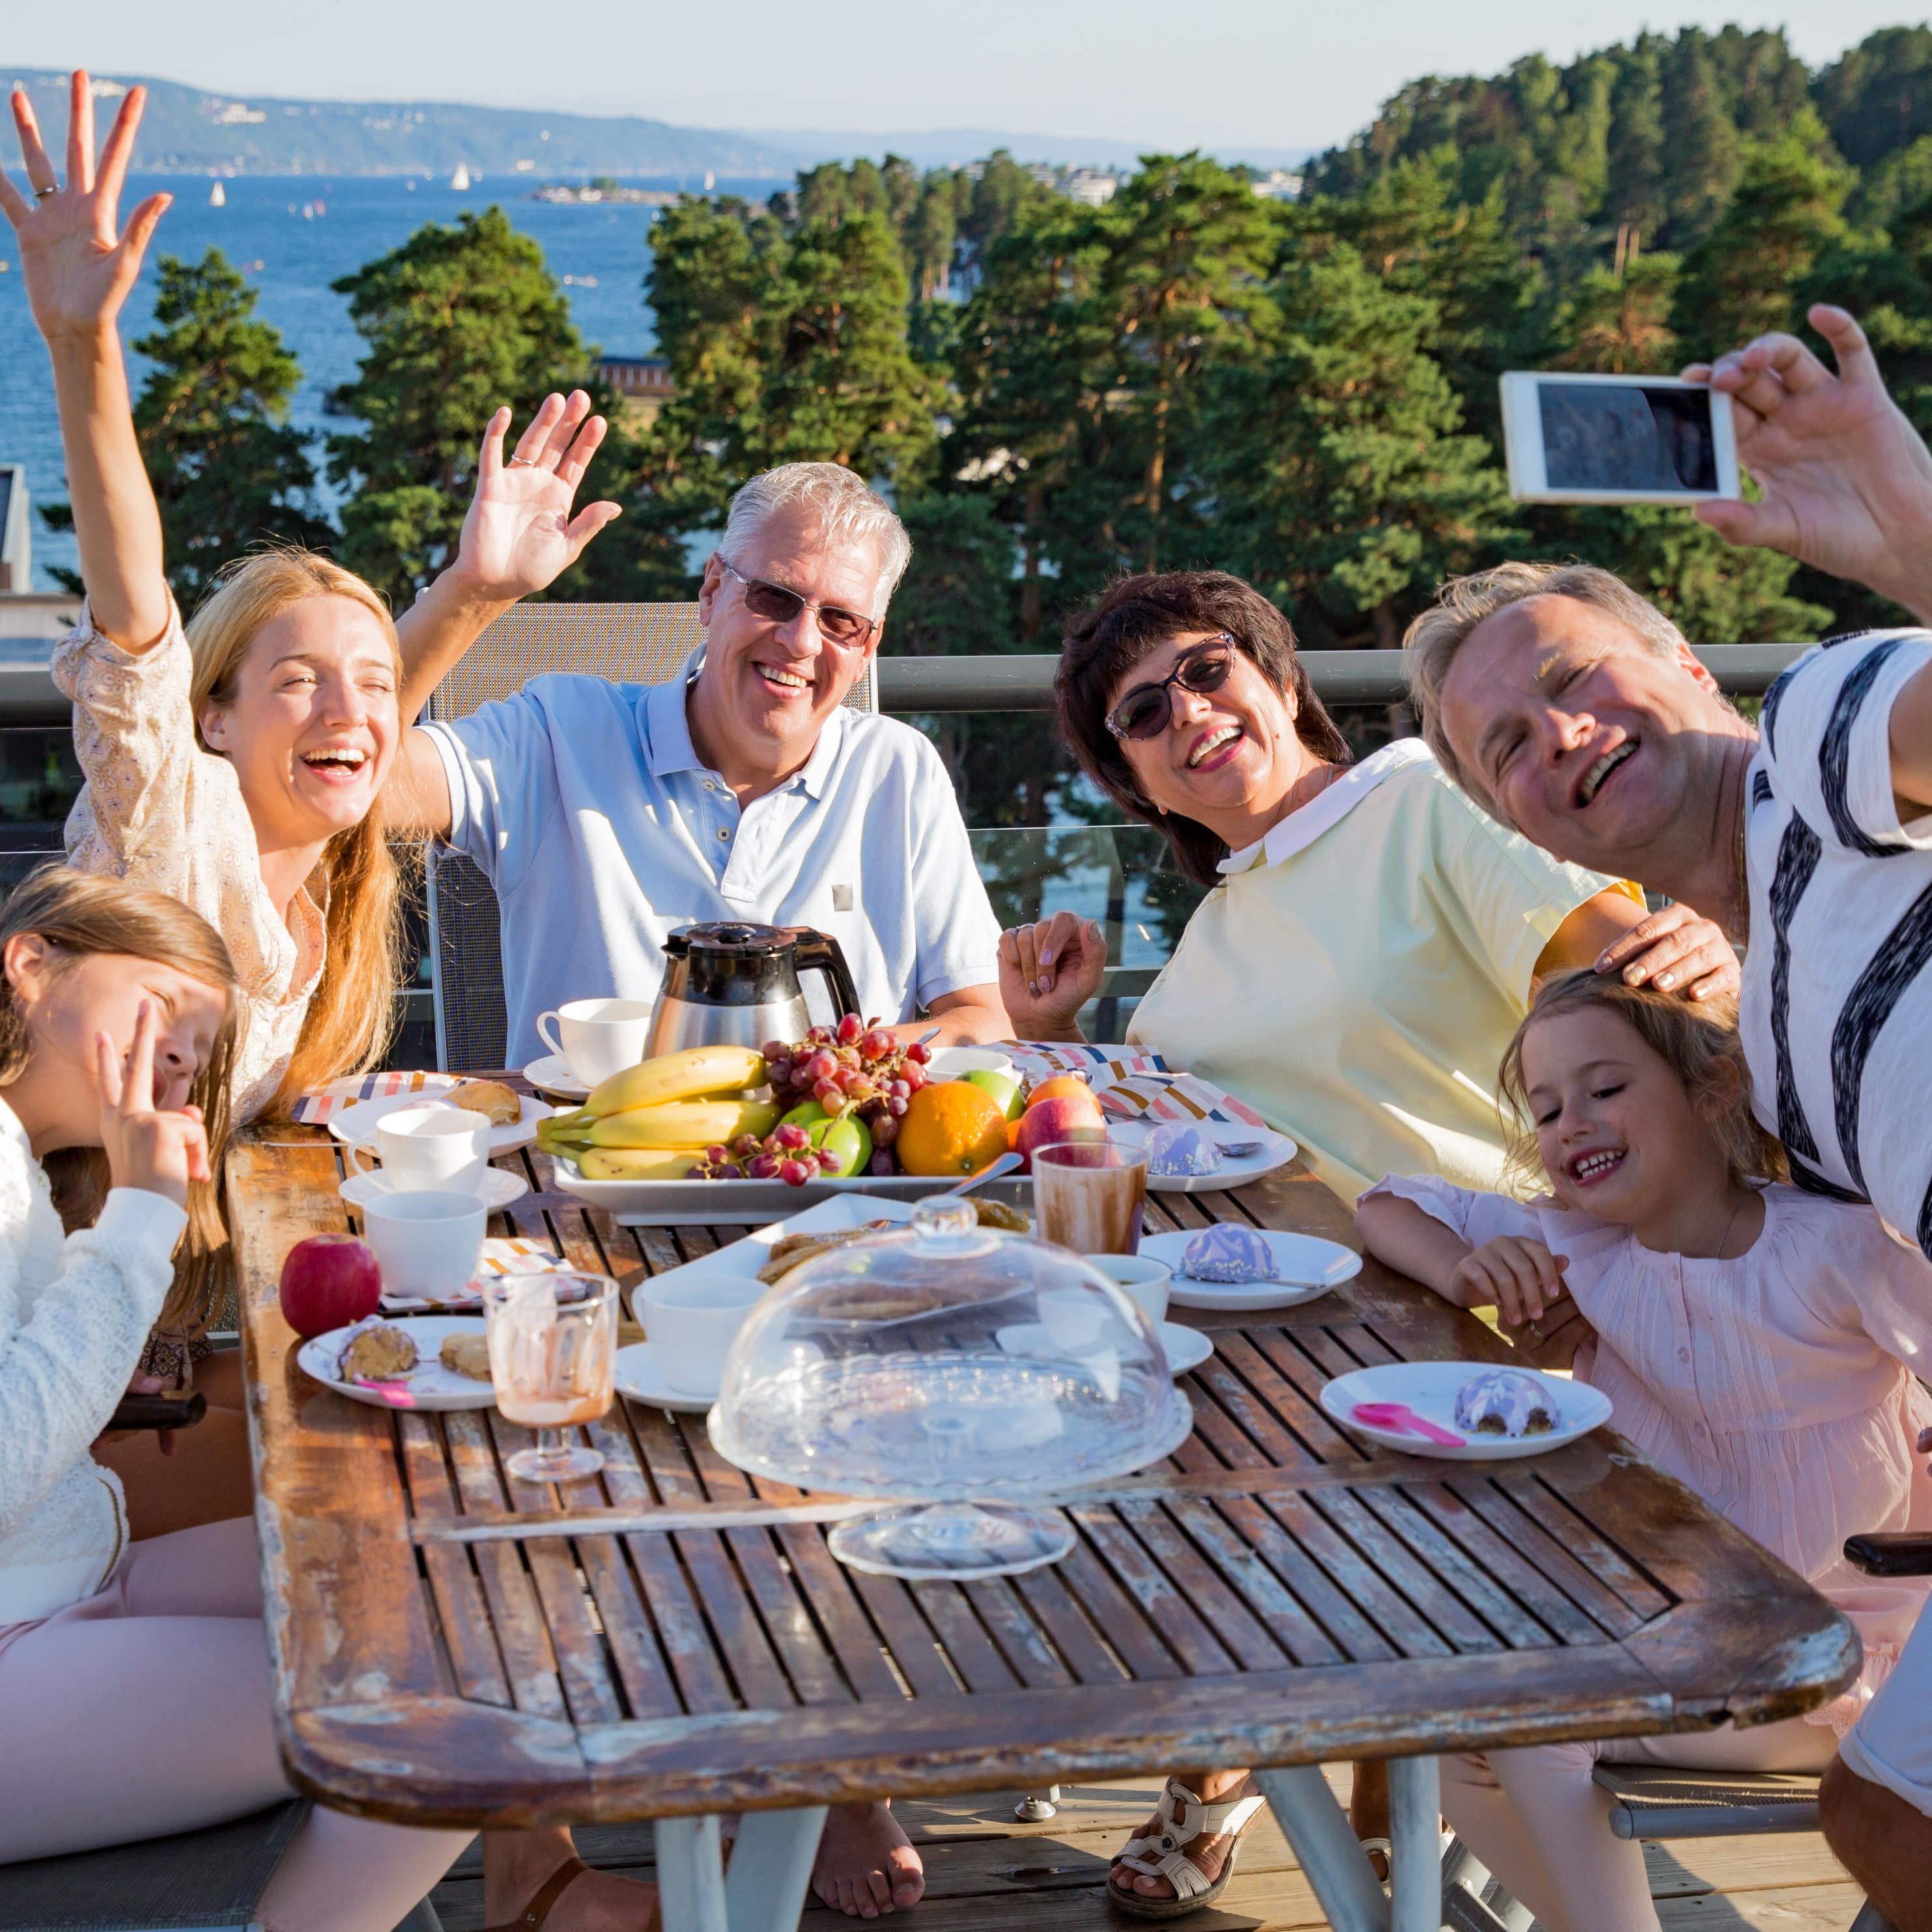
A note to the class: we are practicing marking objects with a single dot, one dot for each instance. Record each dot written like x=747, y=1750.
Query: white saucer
x=359, y=1122
x=500, y=1187
x=641, y=1377
x=1277, y=1150
x=552, y=1074
x=1429, y=1388
x=429, y=1385
x=1306, y=1266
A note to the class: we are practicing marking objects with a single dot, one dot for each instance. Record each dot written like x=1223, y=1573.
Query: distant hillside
x=189, y=130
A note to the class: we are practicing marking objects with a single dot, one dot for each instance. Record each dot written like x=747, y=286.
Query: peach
x=1061, y=1119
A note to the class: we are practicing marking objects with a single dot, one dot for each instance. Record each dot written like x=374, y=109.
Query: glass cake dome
x=968, y=1372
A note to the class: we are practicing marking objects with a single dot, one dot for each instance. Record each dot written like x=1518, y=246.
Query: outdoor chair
x=1653, y=1801
x=628, y=643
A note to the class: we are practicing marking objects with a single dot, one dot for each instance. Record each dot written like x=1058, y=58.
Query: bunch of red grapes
x=855, y=1068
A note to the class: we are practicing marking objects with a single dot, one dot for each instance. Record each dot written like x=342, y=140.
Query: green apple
x=849, y=1138
x=808, y=1114
x=1003, y=1087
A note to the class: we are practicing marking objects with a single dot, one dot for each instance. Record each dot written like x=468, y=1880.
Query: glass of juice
x=553, y=1347
x=1087, y=1196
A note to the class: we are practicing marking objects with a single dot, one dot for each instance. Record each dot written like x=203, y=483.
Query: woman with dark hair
x=1367, y=953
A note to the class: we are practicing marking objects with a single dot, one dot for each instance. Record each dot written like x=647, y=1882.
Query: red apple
x=327, y=1281
x=1046, y=1121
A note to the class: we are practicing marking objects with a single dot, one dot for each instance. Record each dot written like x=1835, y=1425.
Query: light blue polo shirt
x=601, y=830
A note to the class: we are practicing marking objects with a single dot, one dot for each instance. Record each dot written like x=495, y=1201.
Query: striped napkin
x=502, y=1254
x=1132, y=1084
x=319, y=1105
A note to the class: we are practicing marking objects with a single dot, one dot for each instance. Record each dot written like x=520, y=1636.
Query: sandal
x=1378, y=1851
x=1184, y=1817
x=544, y=1901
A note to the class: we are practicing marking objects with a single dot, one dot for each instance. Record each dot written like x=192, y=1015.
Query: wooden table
x=1277, y=1594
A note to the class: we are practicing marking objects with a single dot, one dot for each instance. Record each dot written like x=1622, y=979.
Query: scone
x=467, y=1355
x=379, y=1353
x=498, y=1104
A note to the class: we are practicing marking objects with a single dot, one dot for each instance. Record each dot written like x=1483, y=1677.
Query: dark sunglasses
x=777, y=605
x=1148, y=710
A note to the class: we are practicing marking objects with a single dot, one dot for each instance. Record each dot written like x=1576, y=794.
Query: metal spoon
x=992, y=1171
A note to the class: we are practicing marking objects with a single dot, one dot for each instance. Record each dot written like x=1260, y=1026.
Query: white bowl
x=954, y=1063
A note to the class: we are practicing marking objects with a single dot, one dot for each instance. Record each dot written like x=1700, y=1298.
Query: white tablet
x=1616, y=439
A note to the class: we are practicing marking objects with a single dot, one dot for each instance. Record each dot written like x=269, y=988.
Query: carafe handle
x=820, y=952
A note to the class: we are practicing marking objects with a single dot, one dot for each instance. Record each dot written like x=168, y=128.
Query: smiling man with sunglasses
x=607, y=815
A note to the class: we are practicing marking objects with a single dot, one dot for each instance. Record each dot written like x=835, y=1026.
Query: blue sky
x=1171, y=73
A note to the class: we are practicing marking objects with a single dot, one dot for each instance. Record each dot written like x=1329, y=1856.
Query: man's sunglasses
x=1148, y=710
x=777, y=605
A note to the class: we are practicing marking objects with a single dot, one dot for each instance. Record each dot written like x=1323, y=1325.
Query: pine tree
x=227, y=470
x=459, y=321
x=1619, y=325
x=1878, y=98
x=1701, y=158
x=1635, y=195
x=1743, y=278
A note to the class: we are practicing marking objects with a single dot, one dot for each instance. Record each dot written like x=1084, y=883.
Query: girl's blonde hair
x=80, y=913
x=353, y=1012
x=1698, y=1042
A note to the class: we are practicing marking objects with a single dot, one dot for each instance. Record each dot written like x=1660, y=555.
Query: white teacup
x=1144, y=1280
x=598, y=1037
x=426, y=1244
x=690, y=1324
x=433, y=1147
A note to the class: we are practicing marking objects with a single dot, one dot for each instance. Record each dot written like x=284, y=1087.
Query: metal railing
x=1024, y=681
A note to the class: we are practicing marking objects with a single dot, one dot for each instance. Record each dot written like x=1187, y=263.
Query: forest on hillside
x=1191, y=374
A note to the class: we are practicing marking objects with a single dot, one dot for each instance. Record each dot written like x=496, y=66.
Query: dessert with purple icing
x=1228, y=1253
x=1504, y=1401
x=1175, y=1150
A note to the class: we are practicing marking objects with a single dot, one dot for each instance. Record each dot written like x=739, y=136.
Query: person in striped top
x=1576, y=713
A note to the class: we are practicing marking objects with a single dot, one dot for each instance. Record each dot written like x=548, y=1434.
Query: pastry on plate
x=1176, y=1151
x=378, y=1351
x=467, y=1355
x=1504, y=1401
x=998, y=1214
x=791, y=1251
x=1228, y=1253
x=502, y=1106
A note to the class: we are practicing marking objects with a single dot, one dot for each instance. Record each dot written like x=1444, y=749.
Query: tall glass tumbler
x=1087, y=1196
x=552, y=1350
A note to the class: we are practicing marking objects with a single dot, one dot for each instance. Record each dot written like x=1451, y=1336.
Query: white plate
x=500, y=1187
x=1277, y=1150
x=639, y=1377
x=552, y=1074
x=359, y=1122
x=1184, y=1348
x=750, y=1204
x=429, y=1385
x=1429, y=1388
x=1307, y=1266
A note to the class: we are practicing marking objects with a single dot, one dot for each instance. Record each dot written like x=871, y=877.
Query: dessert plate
x=1306, y=1265
x=359, y=1122
x=1185, y=1348
x=1430, y=1389
x=1277, y=1150
x=640, y=1377
x=552, y=1074
x=429, y=1385
x=500, y=1187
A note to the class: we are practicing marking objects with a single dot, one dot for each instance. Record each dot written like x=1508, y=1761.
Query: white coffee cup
x=1144, y=1280
x=426, y=1244
x=435, y=1147
x=690, y=1322
x=599, y=1037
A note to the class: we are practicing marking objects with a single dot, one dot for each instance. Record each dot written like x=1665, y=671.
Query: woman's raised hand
x=161, y=1152
x=80, y=263
x=1047, y=972
x=520, y=535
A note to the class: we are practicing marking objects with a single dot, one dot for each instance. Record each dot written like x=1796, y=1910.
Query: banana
x=638, y=1163
x=685, y=1075
x=684, y=1123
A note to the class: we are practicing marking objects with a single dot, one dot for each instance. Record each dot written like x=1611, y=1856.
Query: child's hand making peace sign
x=160, y=1152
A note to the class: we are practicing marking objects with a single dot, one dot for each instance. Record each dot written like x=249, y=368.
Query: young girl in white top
x=1759, y=1343
x=134, y=1685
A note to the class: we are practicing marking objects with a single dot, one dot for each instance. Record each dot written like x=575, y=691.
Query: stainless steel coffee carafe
x=737, y=985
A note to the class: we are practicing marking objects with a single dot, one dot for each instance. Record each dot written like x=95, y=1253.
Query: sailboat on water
x=218, y=196
x=460, y=180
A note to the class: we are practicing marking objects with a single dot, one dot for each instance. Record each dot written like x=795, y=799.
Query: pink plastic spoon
x=1398, y=1415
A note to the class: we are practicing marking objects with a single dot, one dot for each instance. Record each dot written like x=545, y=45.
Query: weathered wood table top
x=1277, y=1592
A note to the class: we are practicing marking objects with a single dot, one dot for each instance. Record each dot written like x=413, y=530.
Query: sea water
x=292, y=235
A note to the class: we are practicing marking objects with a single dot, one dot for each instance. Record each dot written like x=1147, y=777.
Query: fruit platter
x=728, y=1135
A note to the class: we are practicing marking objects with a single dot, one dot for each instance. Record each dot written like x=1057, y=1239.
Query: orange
x=951, y=1127
x=1065, y=1086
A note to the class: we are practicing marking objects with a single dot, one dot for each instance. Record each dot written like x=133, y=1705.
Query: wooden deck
x=985, y=1872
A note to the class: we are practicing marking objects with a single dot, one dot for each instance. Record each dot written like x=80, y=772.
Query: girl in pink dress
x=1759, y=1343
